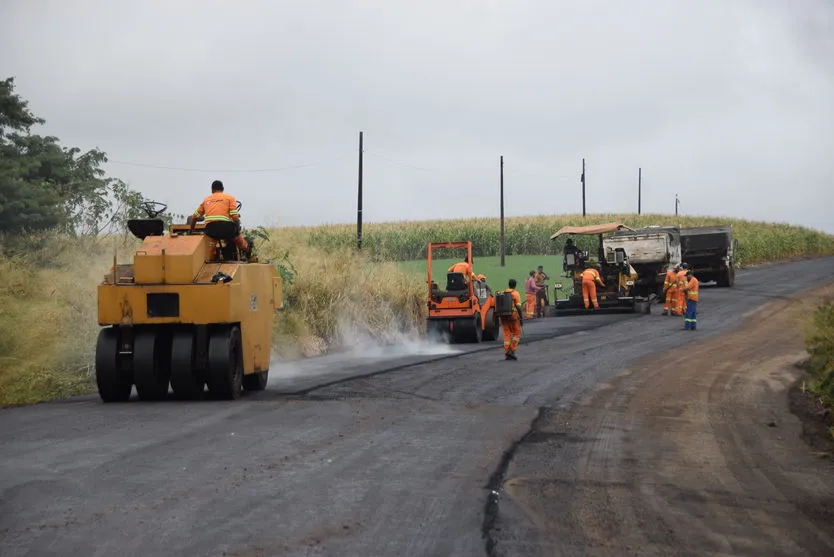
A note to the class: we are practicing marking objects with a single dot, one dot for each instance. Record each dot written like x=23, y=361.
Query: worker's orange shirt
x=218, y=206
x=670, y=279
x=680, y=279
x=692, y=289
x=462, y=267
x=591, y=274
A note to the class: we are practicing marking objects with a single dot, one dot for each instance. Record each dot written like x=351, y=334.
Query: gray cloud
x=728, y=104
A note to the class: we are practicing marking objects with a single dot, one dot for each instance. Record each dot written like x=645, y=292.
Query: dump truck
x=465, y=310
x=710, y=252
x=178, y=315
x=616, y=271
x=651, y=251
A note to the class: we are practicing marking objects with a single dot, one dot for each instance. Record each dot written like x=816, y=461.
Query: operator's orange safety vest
x=219, y=206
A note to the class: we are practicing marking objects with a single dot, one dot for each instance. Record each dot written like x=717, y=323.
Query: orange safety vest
x=692, y=289
x=219, y=206
x=591, y=275
x=462, y=267
x=670, y=280
x=680, y=279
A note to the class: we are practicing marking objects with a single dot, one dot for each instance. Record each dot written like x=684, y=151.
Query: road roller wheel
x=225, y=365
x=113, y=384
x=186, y=382
x=256, y=381
x=491, y=330
x=152, y=364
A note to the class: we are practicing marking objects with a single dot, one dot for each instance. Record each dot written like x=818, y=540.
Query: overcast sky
x=728, y=103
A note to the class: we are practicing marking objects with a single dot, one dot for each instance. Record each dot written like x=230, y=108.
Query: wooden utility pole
x=359, y=205
x=583, y=187
x=502, y=212
x=639, y=190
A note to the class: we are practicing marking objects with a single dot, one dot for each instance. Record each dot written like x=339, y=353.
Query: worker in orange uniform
x=691, y=290
x=463, y=267
x=670, y=287
x=219, y=206
x=590, y=278
x=679, y=302
x=531, y=295
x=512, y=325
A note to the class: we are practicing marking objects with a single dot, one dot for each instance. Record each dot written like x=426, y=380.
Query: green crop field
x=404, y=241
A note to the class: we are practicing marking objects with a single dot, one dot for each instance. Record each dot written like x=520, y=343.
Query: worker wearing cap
x=590, y=278
x=512, y=324
x=679, y=301
x=219, y=206
x=670, y=287
x=691, y=290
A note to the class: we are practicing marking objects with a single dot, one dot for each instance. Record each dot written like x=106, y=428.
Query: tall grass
x=48, y=307
x=820, y=345
x=48, y=316
x=402, y=241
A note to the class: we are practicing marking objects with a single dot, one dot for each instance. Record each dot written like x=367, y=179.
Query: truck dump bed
x=706, y=241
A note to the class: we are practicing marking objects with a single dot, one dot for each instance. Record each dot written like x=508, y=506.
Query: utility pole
x=359, y=206
x=502, y=212
x=677, y=202
x=639, y=190
x=583, y=187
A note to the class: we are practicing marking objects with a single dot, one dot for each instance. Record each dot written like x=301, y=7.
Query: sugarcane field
x=376, y=279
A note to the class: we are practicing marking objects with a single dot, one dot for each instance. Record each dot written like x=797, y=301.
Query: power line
x=180, y=169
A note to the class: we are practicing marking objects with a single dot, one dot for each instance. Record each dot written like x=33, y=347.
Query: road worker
x=463, y=267
x=590, y=279
x=219, y=206
x=530, y=295
x=679, y=301
x=575, y=251
x=541, y=294
x=691, y=288
x=670, y=287
x=512, y=325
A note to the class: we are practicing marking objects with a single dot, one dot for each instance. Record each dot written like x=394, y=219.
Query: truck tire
x=491, y=329
x=728, y=278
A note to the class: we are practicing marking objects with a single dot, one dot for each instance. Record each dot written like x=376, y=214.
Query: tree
x=44, y=185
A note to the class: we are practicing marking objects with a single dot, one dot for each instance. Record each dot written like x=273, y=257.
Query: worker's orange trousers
x=671, y=300
x=240, y=242
x=589, y=293
x=680, y=302
x=530, y=309
x=512, y=333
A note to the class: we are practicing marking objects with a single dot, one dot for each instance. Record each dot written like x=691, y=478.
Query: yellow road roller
x=185, y=314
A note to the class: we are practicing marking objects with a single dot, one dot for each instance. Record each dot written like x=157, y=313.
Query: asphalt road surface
x=421, y=451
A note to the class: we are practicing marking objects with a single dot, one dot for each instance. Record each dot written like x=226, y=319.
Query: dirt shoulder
x=693, y=452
